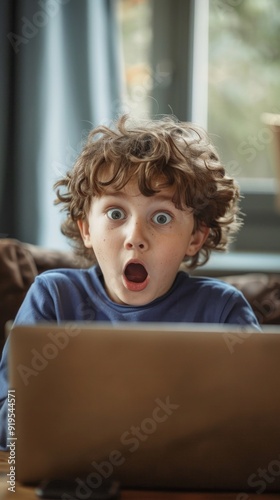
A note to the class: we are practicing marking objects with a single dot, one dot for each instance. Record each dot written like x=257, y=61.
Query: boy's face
x=139, y=242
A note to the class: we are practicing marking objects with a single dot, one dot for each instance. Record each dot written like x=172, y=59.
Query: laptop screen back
x=155, y=406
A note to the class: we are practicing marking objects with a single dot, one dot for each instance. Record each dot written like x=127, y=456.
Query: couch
x=21, y=262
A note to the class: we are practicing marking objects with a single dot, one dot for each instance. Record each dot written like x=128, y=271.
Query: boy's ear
x=197, y=240
x=83, y=226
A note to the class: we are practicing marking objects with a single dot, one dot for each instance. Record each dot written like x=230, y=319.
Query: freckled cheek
x=104, y=248
x=100, y=247
x=173, y=254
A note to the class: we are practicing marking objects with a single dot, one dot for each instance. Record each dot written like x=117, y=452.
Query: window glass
x=244, y=76
x=136, y=31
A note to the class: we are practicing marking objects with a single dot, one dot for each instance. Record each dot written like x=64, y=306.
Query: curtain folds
x=59, y=78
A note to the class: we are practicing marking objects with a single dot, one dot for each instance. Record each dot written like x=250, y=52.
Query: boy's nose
x=136, y=236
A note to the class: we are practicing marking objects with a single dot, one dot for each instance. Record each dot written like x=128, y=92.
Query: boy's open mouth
x=136, y=273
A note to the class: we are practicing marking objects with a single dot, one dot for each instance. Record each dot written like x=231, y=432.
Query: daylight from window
x=243, y=77
x=136, y=35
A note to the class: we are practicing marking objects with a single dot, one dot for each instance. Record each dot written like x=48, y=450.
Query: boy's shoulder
x=66, y=275
x=209, y=284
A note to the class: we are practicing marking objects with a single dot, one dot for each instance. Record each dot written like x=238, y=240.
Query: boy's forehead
x=131, y=188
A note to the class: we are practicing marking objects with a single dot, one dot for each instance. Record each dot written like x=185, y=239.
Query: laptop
x=157, y=406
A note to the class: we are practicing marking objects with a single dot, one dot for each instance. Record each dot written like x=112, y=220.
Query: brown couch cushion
x=19, y=265
x=17, y=272
x=263, y=293
x=46, y=258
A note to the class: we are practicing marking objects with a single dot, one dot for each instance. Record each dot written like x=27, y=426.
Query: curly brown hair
x=180, y=153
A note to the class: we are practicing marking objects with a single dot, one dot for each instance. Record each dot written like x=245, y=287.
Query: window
x=243, y=84
x=165, y=43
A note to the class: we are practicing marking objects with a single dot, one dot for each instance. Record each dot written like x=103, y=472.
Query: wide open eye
x=162, y=218
x=115, y=214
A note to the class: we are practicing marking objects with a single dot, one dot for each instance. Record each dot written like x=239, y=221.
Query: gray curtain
x=59, y=78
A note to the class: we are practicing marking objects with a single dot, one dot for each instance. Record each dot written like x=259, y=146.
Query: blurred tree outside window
x=136, y=33
x=243, y=77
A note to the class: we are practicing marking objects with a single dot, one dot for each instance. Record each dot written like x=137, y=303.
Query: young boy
x=140, y=200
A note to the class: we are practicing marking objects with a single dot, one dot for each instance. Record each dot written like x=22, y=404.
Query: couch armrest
x=17, y=273
x=20, y=263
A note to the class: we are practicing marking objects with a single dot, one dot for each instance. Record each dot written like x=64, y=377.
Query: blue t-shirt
x=79, y=295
